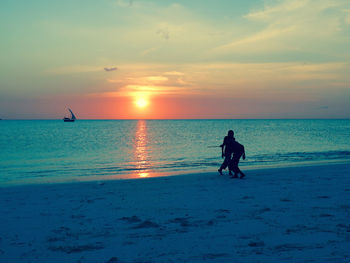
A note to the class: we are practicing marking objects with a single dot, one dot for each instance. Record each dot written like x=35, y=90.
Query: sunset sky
x=121, y=59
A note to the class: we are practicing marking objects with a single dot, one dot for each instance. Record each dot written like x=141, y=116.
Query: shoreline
x=136, y=176
x=296, y=214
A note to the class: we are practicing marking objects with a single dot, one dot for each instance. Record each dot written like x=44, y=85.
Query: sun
x=141, y=102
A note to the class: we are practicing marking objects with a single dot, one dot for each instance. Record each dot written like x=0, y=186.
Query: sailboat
x=72, y=117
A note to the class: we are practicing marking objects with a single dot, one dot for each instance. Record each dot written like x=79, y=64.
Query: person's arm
x=243, y=156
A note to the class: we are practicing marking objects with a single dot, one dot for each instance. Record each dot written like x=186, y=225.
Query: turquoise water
x=51, y=150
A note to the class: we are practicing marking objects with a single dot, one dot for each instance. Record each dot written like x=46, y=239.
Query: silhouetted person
x=238, y=152
x=226, y=151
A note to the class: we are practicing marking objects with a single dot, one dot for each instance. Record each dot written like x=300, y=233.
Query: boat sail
x=72, y=117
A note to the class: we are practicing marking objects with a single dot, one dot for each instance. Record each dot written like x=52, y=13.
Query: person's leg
x=234, y=176
x=233, y=167
x=224, y=164
x=230, y=167
x=240, y=172
x=238, y=157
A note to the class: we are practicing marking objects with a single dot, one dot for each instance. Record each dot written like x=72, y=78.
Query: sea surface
x=48, y=151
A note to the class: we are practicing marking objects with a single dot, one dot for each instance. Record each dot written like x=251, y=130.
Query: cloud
x=157, y=78
x=125, y=3
x=308, y=26
x=323, y=108
x=79, y=69
x=224, y=76
x=163, y=33
x=74, y=69
x=266, y=34
x=286, y=10
x=148, y=51
x=149, y=90
x=110, y=69
x=132, y=89
x=174, y=73
x=282, y=7
x=114, y=81
x=347, y=17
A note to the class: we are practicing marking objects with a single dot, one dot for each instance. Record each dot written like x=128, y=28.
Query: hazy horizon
x=53, y=119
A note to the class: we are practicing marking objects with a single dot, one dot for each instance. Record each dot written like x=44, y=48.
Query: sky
x=131, y=59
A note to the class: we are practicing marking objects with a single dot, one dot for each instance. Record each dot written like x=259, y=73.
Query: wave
x=300, y=156
x=171, y=165
x=180, y=164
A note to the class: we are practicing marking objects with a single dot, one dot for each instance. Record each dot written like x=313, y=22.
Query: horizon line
x=51, y=119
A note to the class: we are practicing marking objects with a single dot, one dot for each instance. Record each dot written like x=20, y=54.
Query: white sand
x=299, y=214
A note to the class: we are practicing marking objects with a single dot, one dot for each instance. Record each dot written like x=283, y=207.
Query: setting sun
x=141, y=102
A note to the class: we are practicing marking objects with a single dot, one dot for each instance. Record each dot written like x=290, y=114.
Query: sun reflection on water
x=140, y=149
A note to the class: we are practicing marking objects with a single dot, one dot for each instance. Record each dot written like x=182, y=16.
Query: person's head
x=230, y=133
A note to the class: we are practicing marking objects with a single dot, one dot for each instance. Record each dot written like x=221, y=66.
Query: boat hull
x=71, y=119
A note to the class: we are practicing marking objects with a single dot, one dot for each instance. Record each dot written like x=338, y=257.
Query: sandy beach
x=295, y=214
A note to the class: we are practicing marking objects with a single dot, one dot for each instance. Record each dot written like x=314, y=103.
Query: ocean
x=49, y=151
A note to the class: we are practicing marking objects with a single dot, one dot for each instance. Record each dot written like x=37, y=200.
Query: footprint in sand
x=247, y=197
x=146, y=224
x=325, y=215
x=131, y=219
x=222, y=213
x=264, y=210
x=225, y=211
x=256, y=244
x=323, y=197
x=213, y=256
x=77, y=248
x=113, y=260
x=285, y=200
x=289, y=247
x=183, y=221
